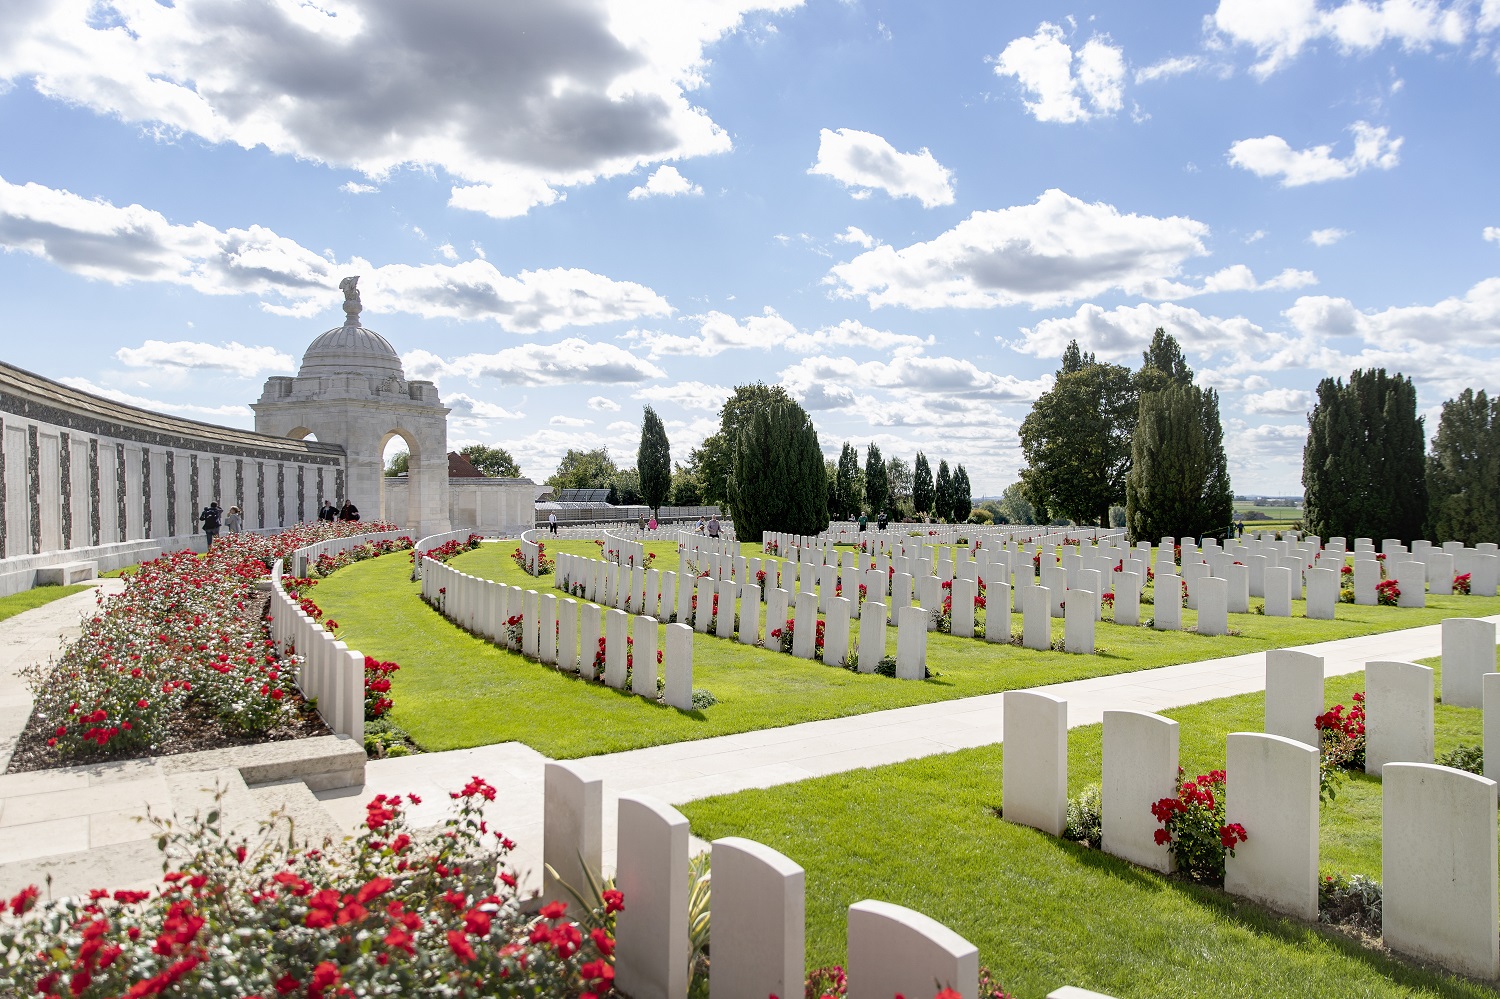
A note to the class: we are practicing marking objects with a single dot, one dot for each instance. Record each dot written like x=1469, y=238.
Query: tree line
x=1367, y=474
x=1149, y=439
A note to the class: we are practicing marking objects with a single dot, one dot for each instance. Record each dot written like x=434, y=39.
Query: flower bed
x=450, y=549
x=326, y=565
x=393, y=912
x=544, y=565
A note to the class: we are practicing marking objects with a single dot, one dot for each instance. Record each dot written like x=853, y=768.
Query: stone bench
x=66, y=573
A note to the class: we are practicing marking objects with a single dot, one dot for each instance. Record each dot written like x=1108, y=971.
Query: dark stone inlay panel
x=280, y=495
x=171, y=495
x=239, y=485
x=65, y=486
x=260, y=494
x=3, y=490
x=122, y=525
x=219, y=485
x=146, y=522
x=194, y=502
x=95, y=494
x=34, y=487
x=301, y=494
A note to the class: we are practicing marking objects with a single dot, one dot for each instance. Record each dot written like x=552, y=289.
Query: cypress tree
x=1168, y=465
x=847, y=485
x=1217, y=513
x=780, y=482
x=1463, y=471
x=653, y=461
x=877, y=484
x=1363, y=468
x=942, y=492
x=963, y=496
x=921, y=485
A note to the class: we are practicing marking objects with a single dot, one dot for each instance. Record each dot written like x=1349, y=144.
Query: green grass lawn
x=17, y=603
x=1045, y=912
x=456, y=691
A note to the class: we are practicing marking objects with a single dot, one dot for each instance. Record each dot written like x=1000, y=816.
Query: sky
x=562, y=212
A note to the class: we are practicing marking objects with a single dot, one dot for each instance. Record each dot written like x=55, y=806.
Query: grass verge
x=18, y=603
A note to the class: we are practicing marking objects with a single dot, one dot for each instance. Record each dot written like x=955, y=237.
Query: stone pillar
x=651, y=934
x=1272, y=790
x=1034, y=778
x=759, y=921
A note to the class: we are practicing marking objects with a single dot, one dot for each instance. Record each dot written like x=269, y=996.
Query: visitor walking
x=552, y=522
x=640, y=522
x=651, y=524
x=881, y=520
x=713, y=526
x=209, y=518
x=234, y=520
x=863, y=520
x=349, y=511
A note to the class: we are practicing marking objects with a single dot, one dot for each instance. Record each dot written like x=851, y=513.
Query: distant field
x=1285, y=513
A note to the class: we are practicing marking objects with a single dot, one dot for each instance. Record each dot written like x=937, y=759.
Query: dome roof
x=351, y=349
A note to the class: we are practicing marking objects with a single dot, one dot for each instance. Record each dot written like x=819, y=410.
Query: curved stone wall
x=78, y=471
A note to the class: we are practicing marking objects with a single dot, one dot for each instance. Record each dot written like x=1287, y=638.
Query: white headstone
x=651, y=932
x=896, y=950
x=997, y=612
x=1272, y=790
x=1294, y=695
x=590, y=631
x=836, y=630
x=616, y=625
x=1167, y=610
x=1278, y=592
x=1398, y=714
x=750, y=613
x=677, y=667
x=1213, y=606
x=1139, y=769
x=759, y=921
x=572, y=831
x=872, y=635
x=1322, y=593
x=1036, y=617
x=1034, y=778
x=643, y=658
x=1468, y=654
x=1078, y=627
x=911, y=644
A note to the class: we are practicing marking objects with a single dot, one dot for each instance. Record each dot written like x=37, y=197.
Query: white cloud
x=856, y=235
x=1472, y=320
x=1279, y=30
x=447, y=252
x=231, y=357
x=1489, y=16
x=1278, y=401
x=1238, y=277
x=1326, y=237
x=1492, y=232
x=947, y=392
x=1271, y=156
x=569, y=421
x=1169, y=68
x=1044, y=64
x=689, y=395
x=238, y=413
x=100, y=241
x=563, y=363
x=603, y=404
x=1121, y=334
x=467, y=407
x=354, y=187
x=864, y=161
x=718, y=332
x=1053, y=252
x=665, y=182
x=512, y=101
x=1256, y=236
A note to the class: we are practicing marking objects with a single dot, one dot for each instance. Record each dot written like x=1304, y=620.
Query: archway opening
x=302, y=434
x=401, y=462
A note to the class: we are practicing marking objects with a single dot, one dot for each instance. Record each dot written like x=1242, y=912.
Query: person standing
x=699, y=528
x=552, y=522
x=209, y=518
x=328, y=511
x=863, y=520
x=713, y=526
x=234, y=520
x=881, y=520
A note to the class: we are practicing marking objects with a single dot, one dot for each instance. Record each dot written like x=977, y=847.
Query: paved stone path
x=86, y=811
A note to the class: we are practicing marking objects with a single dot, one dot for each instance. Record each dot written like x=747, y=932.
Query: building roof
x=350, y=349
x=460, y=467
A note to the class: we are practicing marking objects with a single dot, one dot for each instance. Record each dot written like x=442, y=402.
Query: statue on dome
x=350, y=287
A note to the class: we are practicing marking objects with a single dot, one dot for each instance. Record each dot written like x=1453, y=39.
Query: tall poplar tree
x=877, y=483
x=846, y=484
x=1168, y=465
x=921, y=485
x=653, y=462
x=1463, y=471
x=1363, y=468
x=963, y=495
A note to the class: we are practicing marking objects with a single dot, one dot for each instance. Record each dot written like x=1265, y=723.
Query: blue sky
x=564, y=211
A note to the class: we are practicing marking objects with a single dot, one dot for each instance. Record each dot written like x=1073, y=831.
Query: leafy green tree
x=1077, y=440
x=496, y=462
x=1463, y=471
x=831, y=480
x=626, y=486
x=1364, y=473
x=1162, y=364
x=685, y=491
x=898, y=476
x=654, y=461
x=847, y=484
x=584, y=470
x=398, y=463
x=963, y=495
x=1015, y=507
x=877, y=482
x=713, y=460
x=1169, y=465
x=923, y=495
x=1218, y=491
x=942, y=492
x=779, y=481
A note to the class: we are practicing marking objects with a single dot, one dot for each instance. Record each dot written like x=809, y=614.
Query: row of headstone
x=563, y=633
x=1440, y=874
x=758, y=907
x=331, y=674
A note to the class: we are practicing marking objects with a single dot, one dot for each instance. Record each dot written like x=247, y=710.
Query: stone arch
x=302, y=434
x=410, y=511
